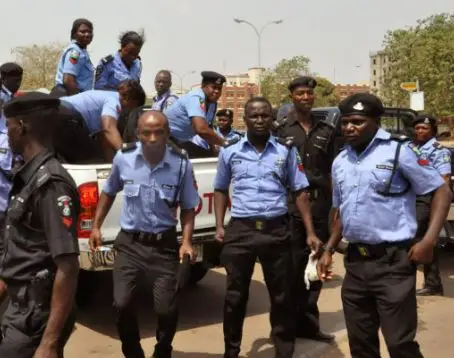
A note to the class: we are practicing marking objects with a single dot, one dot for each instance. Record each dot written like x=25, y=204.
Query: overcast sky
x=185, y=35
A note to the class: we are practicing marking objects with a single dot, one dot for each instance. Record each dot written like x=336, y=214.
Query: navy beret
x=11, y=68
x=213, y=77
x=303, y=81
x=365, y=104
x=225, y=112
x=426, y=119
x=29, y=103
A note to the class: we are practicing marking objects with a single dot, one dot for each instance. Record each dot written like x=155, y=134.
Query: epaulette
x=278, y=123
x=400, y=137
x=239, y=133
x=107, y=59
x=287, y=141
x=177, y=150
x=437, y=145
x=126, y=147
x=232, y=141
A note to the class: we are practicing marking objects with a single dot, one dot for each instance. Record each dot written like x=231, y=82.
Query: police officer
x=375, y=182
x=75, y=71
x=125, y=64
x=164, y=97
x=314, y=138
x=194, y=114
x=40, y=263
x=147, y=246
x=224, y=125
x=260, y=168
x=429, y=152
x=92, y=113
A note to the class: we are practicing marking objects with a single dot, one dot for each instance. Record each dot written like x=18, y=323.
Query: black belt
x=148, y=238
x=263, y=224
x=375, y=251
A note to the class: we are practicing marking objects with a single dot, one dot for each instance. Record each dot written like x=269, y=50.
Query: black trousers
x=432, y=278
x=380, y=292
x=243, y=243
x=23, y=325
x=308, y=315
x=152, y=267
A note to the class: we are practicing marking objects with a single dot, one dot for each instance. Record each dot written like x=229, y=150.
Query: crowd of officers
x=386, y=195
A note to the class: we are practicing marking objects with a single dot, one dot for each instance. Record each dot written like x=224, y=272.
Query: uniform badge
x=64, y=202
x=279, y=162
x=446, y=158
x=3, y=150
x=358, y=106
x=74, y=57
x=423, y=161
x=299, y=162
x=202, y=104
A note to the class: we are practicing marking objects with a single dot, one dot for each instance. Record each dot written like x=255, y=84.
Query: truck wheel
x=198, y=271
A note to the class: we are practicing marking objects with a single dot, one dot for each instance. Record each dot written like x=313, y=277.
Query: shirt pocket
x=131, y=196
x=275, y=177
x=240, y=176
x=322, y=138
x=380, y=180
x=167, y=195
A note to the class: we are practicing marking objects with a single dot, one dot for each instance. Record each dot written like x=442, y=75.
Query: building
x=345, y=90
x=379, y=64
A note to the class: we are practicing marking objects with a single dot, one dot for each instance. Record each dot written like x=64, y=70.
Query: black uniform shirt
x=41, y=219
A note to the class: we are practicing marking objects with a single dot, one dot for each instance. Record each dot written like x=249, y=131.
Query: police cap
x=365, y=104
x=303, y=81
x=225, y=113
x=426, y=119
x=11, y=68
x=213, y=77
x=29, y=103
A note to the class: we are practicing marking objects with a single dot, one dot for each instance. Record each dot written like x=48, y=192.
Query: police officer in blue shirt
x=194, y=114
x=224, y=125
x=125, y=64
x=95, y=113
x=429, y=152
x=75, y=71
x=375, y=182
x=155, y=178
x=164, y=97
x=261, y=168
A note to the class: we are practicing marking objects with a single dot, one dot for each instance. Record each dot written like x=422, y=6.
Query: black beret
x=365, y=104
x=303, y=81
x=213, y=77
x=11, y=68
x=225, y=112
x=426, y=119
x=29, y=103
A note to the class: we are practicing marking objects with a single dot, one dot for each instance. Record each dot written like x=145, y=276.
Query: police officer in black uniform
x=40, y=264
x=315, y=141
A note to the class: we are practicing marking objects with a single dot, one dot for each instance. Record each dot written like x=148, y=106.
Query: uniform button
x=357, y=162
x=356, y=185
x=12, y=197
x=7, y=227
x=307, y=154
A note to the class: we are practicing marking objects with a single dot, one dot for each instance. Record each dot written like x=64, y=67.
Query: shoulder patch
x=107, y=59
x=74, y=56
x=232, y=141
x=437, y=145
x=177, y=150
x=126, y=147
x=287, y=141
x=400, y=137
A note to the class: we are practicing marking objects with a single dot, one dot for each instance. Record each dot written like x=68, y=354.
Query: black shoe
x=429, y=292
x=319, y=336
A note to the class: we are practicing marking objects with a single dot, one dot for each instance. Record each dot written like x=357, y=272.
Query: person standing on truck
x=260, y=168
x=314, y=138
x=194, y=114
x=40, y=264
x=147, y=248
x=375, y=182
x=429, y=152
x=124, y=65
x=92, y=113
x=75, y=71
x=164, y=97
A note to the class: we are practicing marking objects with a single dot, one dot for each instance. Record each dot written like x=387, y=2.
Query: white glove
x=310, y=274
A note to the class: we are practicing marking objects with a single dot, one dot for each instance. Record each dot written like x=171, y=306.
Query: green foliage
x=39, y=63
x=325, y=93
x=425, y=53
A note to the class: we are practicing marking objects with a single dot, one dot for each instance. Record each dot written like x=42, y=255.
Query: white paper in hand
x=310, y=274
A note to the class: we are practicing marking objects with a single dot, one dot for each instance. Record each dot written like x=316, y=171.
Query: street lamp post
x=259, y=39
x=181, y=77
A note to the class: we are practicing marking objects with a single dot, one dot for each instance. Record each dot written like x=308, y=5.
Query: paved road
x=200, y=330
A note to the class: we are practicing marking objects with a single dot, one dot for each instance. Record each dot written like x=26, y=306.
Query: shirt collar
x=27, y=171
x=428, y=144
x=165, y=160
x=164, y=95
x=380, y=135
x=271, y=142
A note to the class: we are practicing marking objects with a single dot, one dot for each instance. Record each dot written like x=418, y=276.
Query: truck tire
x=198, y=271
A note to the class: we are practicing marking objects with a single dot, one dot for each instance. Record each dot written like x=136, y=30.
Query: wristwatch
x=330, y=250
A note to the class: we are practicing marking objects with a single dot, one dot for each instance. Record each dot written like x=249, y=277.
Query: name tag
x=129, y=181
x=3, y=150
x=167, y=186
x=236, y=161
x=384, y=166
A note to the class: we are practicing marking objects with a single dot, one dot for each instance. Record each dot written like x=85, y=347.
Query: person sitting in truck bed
x=92, y=114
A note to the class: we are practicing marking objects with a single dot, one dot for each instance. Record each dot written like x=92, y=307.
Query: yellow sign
x=409, y=86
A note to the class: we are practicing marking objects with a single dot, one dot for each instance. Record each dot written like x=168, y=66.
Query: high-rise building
x=379, y=64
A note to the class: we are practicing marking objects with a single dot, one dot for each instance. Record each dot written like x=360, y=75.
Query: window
x=229, y=105
x=375, y=72
x=240, y=105
x=230, y=94
x=375, y=61
x=375, y=83
x=240, y=94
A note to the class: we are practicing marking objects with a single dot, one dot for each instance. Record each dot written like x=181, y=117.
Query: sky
x=197, y=35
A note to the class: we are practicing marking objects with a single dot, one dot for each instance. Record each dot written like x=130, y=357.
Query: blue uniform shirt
x=6, y=156
x=5, y=96
x=192, y=104
x=162, y=102
x=367, y=216
x=111, y=71
x=94, y=104
x=259, y=181
x=435, y=154
x=198, y=140
x=145, y=189
x=76, y=61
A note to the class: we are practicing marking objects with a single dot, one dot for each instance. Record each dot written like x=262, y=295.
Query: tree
x=424, y=53
x=325, y=93
x=39, y=63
